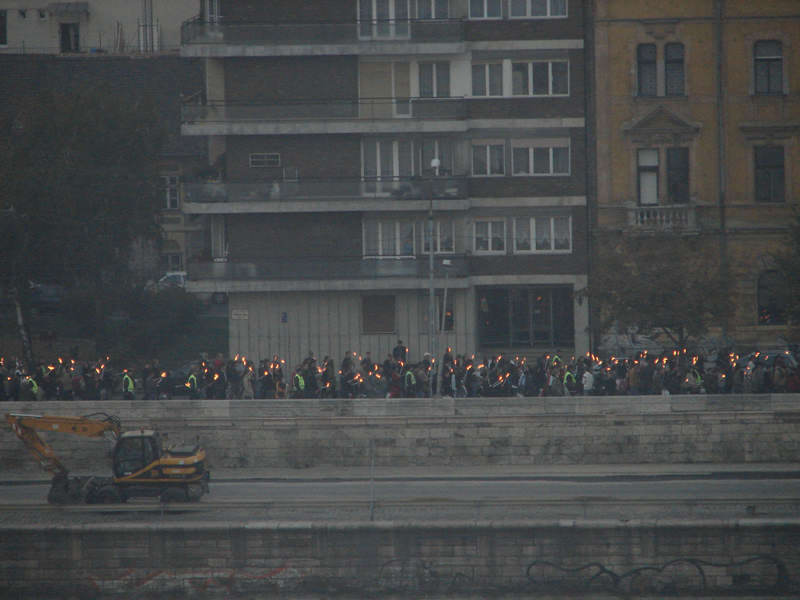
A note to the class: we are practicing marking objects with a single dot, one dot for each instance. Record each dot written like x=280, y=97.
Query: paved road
x=463, y=498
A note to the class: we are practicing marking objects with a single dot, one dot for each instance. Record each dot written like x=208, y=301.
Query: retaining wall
x=437, y=432
x=753, y=558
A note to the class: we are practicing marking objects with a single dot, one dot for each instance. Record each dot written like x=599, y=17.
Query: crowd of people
x=456, y=375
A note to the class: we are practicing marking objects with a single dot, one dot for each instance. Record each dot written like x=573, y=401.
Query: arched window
x=772, y=298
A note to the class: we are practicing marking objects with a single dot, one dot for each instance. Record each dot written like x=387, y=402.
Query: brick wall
x=566, y=559
x=437, y=432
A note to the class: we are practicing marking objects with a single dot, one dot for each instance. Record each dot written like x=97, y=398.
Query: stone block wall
x=686, y=559
x=441, y=432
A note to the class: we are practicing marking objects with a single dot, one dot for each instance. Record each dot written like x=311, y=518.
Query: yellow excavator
x=141, y=466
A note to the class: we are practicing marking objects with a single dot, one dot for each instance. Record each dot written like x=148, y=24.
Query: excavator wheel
x=107, y=494
x=174, y=494
x=194, y=491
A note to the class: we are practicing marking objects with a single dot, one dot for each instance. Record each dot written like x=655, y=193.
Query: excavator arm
x=26, y=427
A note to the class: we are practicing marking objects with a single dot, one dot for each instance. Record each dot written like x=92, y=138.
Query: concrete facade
x=107, y=26
x=322, y=124
x=753, y=558
x=697, y=92
x=442, y=432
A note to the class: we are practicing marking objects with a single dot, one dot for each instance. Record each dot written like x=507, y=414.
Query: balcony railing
x=197, y=31
x=360, y=108
x=397, y=188
x=674, y=217
x=328, y=268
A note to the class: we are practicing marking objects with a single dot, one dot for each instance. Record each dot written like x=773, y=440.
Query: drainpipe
x=719, y=13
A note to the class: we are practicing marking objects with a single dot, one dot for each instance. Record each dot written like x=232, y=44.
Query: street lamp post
x=431, y=290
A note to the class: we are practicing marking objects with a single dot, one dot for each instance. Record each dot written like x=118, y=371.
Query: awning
x=68, y=9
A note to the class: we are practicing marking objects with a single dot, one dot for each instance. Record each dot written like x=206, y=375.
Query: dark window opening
x=772, y=298
x=673, y=70
x=526, y=317
x=646, y=61
x=70, y=37
x=377, y=314
x=678, y=175
x=3, y=28
x=769, y=174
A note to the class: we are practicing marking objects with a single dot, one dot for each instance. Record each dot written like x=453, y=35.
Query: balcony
x=306, y=269
x=673, y=217
x=316, y=116
x=197, y=32
x=397, y=193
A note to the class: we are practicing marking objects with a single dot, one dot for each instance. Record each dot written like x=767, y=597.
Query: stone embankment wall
x=441, y=431
x=756, y=559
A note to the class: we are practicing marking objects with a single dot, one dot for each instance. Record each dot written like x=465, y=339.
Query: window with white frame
x=263, y=160
x=171, y=191
x=487, y=79
x=490, y=236
x=488, y=159
x=543, y=234
x=540, y=78
x=386, y=159
x=540, y=158
x=383, y=18
x=434, y=79
x=538, y=8
x=443, y=237
x=429, y=148
x=485, y=9
x=433, y=9
x=388, y=238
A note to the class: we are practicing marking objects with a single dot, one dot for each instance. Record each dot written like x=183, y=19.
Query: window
x=673, y=70
x=262, y=160
x=377, y=314
x=488, y=159
x=3, y=27
x=69, y=37
x=434, y=80
x=383, y=18
x=428, y=149
x=768, y=64
x=773, y=298
x=542, y=234
x=648, y=176
x=540, y=160
x=485, y=9
x=490, y=236
x=539, y=8
x=769, y=174
x=487, y=79
x=444, y=322
x=646, y=63
x=388, y=238
x=678, y=175
x=387, y=165
x=443, y=237
x=540, y=78
x=432, y=9
x=211, y=8
x=171, y=262
x=170, y=183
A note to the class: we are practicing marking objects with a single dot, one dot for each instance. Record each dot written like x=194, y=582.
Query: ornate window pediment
x=661, y=126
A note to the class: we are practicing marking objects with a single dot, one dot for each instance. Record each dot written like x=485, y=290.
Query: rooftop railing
x=328, y=108
x=397, y=188
x=198, y=31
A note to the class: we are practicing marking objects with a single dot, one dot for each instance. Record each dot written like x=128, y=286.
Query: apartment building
x=97, y=27
x=697, y=130
x=365, y=152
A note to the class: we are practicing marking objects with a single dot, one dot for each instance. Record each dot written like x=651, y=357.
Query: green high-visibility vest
x=193, y=381
x=410, y=379
x=301, y=383
x=127, y=383
x=34, y=385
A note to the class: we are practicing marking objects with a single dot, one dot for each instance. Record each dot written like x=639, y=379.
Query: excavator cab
x=135, y=451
